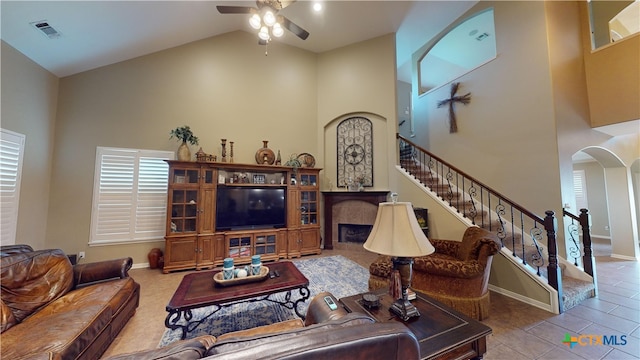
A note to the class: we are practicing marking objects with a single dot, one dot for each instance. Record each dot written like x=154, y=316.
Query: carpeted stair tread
x=575, y=291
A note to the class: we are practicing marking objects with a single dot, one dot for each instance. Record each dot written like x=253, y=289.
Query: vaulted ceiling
x=98, y=33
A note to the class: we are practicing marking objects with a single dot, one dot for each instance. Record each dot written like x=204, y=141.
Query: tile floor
x=520, y=331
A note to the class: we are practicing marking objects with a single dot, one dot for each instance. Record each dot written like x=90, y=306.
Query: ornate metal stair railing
x=520, y=230
x=581, y=222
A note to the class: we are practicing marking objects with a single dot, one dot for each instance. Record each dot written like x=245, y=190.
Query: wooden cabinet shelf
x=192, y=241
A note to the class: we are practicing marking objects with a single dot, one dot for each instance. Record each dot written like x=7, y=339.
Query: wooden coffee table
x=442, y=332
x=198, y=290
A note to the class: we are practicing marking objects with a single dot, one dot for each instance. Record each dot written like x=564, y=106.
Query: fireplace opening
x=353, y=233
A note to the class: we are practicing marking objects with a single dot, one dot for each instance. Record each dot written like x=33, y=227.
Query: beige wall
x=570, y=104
x=29, y=100
x=573, y=85
x=613, y=77
x=507, y=134
x=223, y=87
x=504, y=279
x=359, y=80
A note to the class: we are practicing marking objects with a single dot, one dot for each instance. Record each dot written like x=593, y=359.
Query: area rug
x=335, y=274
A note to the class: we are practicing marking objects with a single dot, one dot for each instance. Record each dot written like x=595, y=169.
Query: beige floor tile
x=560, y=353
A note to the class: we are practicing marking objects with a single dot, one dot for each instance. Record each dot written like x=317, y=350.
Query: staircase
x=526, y=237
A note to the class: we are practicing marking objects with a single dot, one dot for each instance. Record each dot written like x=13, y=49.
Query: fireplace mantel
x=333, y=197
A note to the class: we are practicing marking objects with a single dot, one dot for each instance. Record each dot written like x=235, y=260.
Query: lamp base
x=404, y=309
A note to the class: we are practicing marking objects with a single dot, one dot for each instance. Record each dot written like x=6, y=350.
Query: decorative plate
x=219, y=278
x=306, y=160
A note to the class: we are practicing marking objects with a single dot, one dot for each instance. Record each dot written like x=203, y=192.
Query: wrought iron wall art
x=355, y=151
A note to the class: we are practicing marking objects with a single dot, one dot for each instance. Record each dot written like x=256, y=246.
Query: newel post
x=587, y=259
x=554, y=276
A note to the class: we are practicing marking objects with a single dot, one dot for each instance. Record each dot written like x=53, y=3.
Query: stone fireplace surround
x=349, y=207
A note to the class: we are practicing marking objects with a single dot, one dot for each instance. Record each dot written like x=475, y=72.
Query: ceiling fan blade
x=222, y=9
x=291, y=26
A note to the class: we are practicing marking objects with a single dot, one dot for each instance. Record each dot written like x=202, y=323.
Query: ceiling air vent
x=46, y=29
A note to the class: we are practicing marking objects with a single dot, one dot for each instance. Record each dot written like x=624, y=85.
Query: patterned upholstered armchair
x=457, y=274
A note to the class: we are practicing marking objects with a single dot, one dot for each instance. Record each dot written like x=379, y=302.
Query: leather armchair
x=457, y=274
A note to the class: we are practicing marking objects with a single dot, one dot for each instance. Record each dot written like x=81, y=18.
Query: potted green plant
x=185, y=135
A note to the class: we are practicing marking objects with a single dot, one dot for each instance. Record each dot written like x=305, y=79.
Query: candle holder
x=224, y=150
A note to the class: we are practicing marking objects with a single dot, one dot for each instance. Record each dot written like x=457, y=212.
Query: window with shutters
x=580, y=189
x=129, y=195
x=11, y=155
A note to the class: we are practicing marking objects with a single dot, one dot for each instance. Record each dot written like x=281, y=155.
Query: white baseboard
x=521, y=298
x=140, y=266
x=624, y=257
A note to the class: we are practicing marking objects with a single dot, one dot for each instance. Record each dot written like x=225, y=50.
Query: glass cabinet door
x=240, y=246
x=308, y=207
x=265, y=244
x=185, y=176
x=308, y=180
x=183, y=210
x=207, y=176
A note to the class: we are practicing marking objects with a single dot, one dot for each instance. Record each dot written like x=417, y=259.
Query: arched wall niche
x=379, y=150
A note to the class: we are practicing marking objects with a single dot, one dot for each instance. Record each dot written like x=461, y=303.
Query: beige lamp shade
x=396, y=232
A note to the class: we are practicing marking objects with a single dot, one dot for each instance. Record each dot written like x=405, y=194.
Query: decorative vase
x=265, y=155
x=154, y=258
x=184, y=153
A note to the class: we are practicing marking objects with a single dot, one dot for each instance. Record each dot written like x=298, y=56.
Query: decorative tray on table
x=219, y=278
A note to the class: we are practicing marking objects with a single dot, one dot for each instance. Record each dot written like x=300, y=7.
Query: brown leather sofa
x=325, y=334
x=50, y=309
x=457, y=274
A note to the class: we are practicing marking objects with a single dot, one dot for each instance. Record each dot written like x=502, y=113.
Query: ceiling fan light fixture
x=269, y=18
x=277, y=30
x=255, y=21
x=264, y=34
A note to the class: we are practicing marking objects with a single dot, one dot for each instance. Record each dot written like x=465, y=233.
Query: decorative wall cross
x=465, y=99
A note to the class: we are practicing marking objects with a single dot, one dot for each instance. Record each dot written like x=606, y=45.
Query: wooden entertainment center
x=193, y=241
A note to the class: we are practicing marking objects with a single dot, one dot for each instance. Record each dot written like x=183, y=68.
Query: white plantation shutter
x=130, y=195
x=580, y=190
x=11, y=155
x=152, y=196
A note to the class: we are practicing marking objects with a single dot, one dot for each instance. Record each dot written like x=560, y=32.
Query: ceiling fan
x=265, y=18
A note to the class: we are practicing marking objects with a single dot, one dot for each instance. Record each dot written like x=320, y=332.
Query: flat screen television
x=249, y=207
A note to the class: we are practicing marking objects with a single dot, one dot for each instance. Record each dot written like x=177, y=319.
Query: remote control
x=330, y=302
